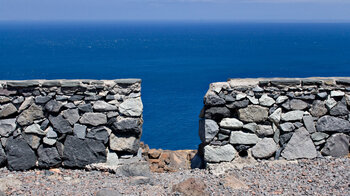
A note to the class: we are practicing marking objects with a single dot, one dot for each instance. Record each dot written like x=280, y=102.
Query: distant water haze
x=176, y=61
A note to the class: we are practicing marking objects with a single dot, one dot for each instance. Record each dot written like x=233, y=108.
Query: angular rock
x=239, y=137
x=69, y=106
x=336, y=146
x=2, y=156
x=23, y=84
x=322, y=95
x=7, y=110
x=49, y=141
x=330, y=103
x=44, y=124
x=309, y=124
x=340, y=109
x=100, y=133
x=32, y=139
x=284, y=138
x=93, y=119
x=19, y=154
x=238, y=104
x=240, y=96
x=297, y=104
x=48, y=157
x=60, y=124
x=285, y=82
x=332, y=124
x=102, y=106
x=300, y=146
x=211, y=99
x=130, y=125
x=281, y=99
x=318, y=136
x=7, y=127
x=76, y=98
x=253, y=113
x=79, y=153
x=131, y=107
x=275, y=117
x=318, y=109
x=34, y=128
x=265, y=100
x=123, y=144
x=42, y=99
x=292, y=116
x=253, y=100
x=50, y=133
x=208, y=129
x=217, y=113
x=252, y=127
x=4, y=99
x=79, y=131
x=258, y=89
x=28, y=116
x=337, y=93
x=264, y=130
x=265, y=148
x=231, y=123
x=217, y=154
x=72, y=115
x=53, y=106
x=85, y=107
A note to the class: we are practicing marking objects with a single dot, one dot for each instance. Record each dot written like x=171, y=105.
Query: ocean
x=176, y=61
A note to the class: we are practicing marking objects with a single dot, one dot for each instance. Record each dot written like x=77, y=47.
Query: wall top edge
x=289, y=81
x=65, y=82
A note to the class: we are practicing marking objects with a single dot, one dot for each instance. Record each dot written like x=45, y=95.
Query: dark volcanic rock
x=19, y=154
x=213, y=100
x=79, y=153
x=337, y=145
x=60, y=124
x=238, y=104
x=2, y=156
x=100, y=133
x=85, y=107
x=340, y=109
x=217, y=113
x=207, y=130
x=300, y=146
x=53, y=106
x=332, y=124
x=120, y=124
x=48, y=157
x=42, y=99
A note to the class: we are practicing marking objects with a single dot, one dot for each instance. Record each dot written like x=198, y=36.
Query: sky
x=163, y=10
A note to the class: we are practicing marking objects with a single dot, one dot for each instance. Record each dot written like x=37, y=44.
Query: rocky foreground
x=326, y=176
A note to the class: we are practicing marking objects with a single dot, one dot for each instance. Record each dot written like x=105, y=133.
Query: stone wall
x=49, y=123
x=275, y=118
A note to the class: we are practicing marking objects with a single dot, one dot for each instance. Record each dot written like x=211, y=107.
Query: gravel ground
x=306, y=177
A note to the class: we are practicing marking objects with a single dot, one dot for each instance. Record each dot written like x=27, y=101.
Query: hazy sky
x=229, y=10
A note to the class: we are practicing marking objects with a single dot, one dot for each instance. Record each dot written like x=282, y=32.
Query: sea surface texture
x=176, y=61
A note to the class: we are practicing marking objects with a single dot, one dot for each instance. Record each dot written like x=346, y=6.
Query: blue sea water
x=176, y=61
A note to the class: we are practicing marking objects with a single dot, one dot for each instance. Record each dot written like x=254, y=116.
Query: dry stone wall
x=275, y=118
x=49, y=123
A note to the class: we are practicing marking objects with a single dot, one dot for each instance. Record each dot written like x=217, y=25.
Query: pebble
x=326, y=176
